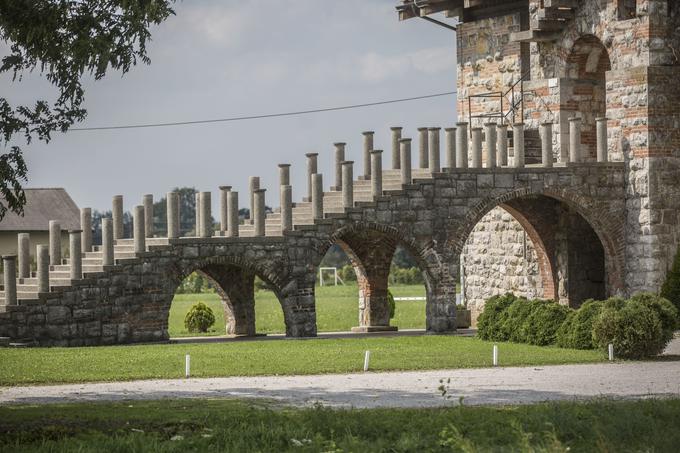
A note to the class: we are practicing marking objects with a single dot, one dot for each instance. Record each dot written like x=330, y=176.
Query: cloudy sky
x=230, y=58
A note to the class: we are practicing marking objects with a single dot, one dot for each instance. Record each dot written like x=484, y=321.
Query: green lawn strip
x=337, y=310
x=232, y=425
x=279, y=357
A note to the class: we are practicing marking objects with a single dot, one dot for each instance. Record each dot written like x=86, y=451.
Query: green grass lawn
x=236, y=426
x=337, y=310
x=250, y=358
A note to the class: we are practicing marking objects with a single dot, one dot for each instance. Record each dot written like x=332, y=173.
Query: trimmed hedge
x=540, y=328
x=491, y=320
x=577, y=330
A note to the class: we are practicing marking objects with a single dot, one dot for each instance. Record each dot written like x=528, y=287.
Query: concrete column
x=368, y=147
x=312, y=168
x=207, y=228
x=232, y=219
x=286, y=208
x=117, y=214
x=9, y=263
x=574, y=140
x=462, y=145
x=502, y=142
x=450, y=147
x=55, y=243
x=24, y=251
x=602, y=140
x=518, y=144
x=259, y=220
x=138, y=234
x=43, y=267
x=348, y=184
x=435, y=153
x=197, y=214
x=546, y=145
x=396, y=152
x=172, y=211
x=284, y=174
x=76, y=255
x=107, y=242
x=406, y=177
x=476, y=147
x=224, y=209
x=490, y=144
x=86, y=226
x=317, y=196
x=423, y=148
x=339, y=159
x=376, y=173
x=147, y=202
x=253, y=185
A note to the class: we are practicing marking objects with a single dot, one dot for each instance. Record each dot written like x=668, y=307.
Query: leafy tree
x=199, y=318
x=65, y=40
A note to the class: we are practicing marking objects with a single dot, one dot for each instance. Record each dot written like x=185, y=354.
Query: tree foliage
x=64, y=40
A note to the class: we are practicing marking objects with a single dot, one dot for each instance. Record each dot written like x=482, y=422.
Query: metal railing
x=514, y=105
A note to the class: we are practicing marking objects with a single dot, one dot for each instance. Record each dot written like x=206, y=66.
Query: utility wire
x=254, y=117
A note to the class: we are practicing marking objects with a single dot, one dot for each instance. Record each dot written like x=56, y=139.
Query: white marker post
x=611, y=352
x=367, y=358
x=495, y=355
x=187, y=366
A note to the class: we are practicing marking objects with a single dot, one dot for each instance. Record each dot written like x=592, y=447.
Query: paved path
x=394, y=389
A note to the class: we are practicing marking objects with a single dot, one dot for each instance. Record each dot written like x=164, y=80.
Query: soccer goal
x=329, y=270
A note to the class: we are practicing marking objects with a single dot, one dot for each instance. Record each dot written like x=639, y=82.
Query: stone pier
x=284, y=174
x=490, y=144
x=232, y=219
x=207, y=228
x=147, y=202
x=406, y=176
x=574, y=140
x=546, y=145
x=43, y=268
x=55, y=242
x=312, y=169
x=502, y=143
x=260, y=213
x=24, y=252
x=462, y=145
x=86, y=226
x=197, y=214
x=368, y=147
x=253, y=185
x=9, y=263
x=348, y=184
x=423, y=148
x=117, y=214
x=286, y=207
x=76, y=254
x=434, y=150
x=138, y=234
x=339, y=159
x=450, y=134
x=396, y=153
x=107, y=242
x=602, y=151
x=317, y=196
x=476, y=147
x=376, y=170
x=518, y=144
x=224, y=209
x=172, y=211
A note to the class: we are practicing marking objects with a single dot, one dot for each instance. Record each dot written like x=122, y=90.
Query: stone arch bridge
x=121, y=292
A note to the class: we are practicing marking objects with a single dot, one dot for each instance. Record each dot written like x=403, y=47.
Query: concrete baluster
x=462, y=145
x=76, y=254
x=406, y=174
x=339, y=159
x=546, y=145
x=138, y=233
x=602, y=150
x=396, y=152
x=24, y=251
x=476, y=147
x=368, y=147
x=423, y=148
x=107, y=242
x=450, y=133
x=55, y=242
x=117, y=214
x=434, y=150
x=490, y=144
x=284, y=174
x=86, y=226
x=260, y=214
x=376, y=171
x=207, y=228
x=312, y=168
x=575, y=140
x=502, y=144
x=317, y=196
x=518, y=144
x=172, y=208
x=286, y=208
x=253, y=185
x=197, y=213
x=348, y=184
x=224, y=209
x=9, y=263
x=232, y=220
x=147, y=202
x=43, y=268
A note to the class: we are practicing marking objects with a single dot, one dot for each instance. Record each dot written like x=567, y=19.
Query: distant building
x=42, y=205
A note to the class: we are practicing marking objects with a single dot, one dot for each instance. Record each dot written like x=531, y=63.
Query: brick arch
x=608, y=229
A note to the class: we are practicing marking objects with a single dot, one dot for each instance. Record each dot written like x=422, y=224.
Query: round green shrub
x=635, y=330
x=199, y=318
x=515, y=325
x=546, y=317
x=492, y=318
x=576, y=331
x=668, y=313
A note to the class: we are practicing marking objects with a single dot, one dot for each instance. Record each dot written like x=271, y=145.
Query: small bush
x=515, y=325
x=390, y=303
x=540, y=327
x=667, y=312
x=199, y=318
x=577, y=330
x=671, y=287
x=492, y=318
x=347, y=273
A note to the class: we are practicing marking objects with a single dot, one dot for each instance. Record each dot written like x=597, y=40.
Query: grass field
x=337, y=310
x=234, y=426
x=250, y=358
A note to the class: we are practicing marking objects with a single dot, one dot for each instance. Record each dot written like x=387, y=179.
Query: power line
x=255, y=117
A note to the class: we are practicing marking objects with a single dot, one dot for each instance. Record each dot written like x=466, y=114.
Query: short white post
x=187, y=366
x=495, y=355
x=611, y=352
x=367, y=358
